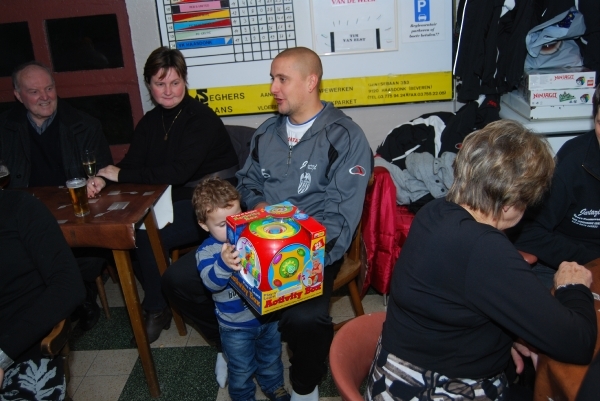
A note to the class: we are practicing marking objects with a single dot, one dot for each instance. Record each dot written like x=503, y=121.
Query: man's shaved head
x=306, y=61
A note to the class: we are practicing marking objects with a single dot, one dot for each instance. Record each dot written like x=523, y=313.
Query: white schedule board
x=374, y=52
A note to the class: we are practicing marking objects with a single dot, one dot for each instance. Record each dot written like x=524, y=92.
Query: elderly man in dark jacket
x=42, y=139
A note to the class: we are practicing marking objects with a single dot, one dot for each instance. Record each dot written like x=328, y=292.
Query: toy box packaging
x=557, y=97
x=282, y=253
x=559, y=78
x=515, y=101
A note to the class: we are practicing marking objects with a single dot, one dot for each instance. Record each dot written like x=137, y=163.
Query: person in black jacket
x=42, y=138
x=40, y=286
x=179, y=142
x=455, y=313
x=567, y=225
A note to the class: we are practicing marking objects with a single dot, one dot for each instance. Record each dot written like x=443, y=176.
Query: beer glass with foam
x=78, y=192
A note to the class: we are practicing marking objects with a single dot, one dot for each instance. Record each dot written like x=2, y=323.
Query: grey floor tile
x=373, y=303
x=114, y=295
x=100, y=388
x=73, y=385
x=113, y=362
x=80, y=362
x=171, y=337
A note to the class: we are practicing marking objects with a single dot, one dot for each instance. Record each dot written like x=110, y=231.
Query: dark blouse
x=197, y=145
x=461, y=294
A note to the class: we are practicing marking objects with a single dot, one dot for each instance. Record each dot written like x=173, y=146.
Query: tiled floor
x=104, y=367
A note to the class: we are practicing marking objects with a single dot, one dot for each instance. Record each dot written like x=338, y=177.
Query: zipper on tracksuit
x=289, y=160
x=592, y=174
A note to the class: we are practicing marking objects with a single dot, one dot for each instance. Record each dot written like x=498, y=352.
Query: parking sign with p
x=422, y=13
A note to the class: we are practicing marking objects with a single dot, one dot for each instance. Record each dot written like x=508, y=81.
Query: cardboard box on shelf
x=283, y=253
x=516, y=102
x=559, y=78
x=557, y=97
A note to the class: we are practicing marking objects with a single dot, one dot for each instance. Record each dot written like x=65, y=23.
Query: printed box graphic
x=559, y=78
x=282, y=252
x=558, y=97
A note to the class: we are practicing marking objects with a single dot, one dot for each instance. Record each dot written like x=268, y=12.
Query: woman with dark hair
x=567, y=225
x=179, y=142
x=455, y=312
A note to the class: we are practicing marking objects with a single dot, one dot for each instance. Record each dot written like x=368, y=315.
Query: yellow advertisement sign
x=346, y=92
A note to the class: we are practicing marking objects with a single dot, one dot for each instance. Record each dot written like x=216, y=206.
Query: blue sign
x=422, y=13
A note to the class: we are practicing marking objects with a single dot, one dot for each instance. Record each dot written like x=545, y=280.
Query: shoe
x=88, y=314
x=313, y=396
x=221, y=370
x=155, y=323
x=280, y=394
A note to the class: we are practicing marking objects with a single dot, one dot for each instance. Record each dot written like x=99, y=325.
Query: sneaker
x=280, y=394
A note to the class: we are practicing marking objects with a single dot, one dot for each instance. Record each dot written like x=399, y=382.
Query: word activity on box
x=228, y=31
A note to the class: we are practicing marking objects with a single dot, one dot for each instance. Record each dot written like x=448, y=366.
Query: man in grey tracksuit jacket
x=325, y=174
x=324, y=171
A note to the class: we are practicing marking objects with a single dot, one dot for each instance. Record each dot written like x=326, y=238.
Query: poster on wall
x=374, y=52
x=354, y=26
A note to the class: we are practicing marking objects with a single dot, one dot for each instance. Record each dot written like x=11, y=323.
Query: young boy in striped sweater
x=251, y=343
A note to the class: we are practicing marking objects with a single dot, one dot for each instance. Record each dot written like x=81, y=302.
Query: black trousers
x=306, y=327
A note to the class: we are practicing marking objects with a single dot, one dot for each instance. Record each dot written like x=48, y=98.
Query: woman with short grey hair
x=461, y=294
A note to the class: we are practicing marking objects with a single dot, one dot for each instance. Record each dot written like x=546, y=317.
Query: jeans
x=249, y=352
x=184, y=230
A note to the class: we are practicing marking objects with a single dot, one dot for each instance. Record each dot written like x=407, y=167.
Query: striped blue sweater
x=231, y=310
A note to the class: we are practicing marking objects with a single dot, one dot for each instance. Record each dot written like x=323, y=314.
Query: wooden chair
x=352, y=352
x=102, y=295
x=348, y=275
x=56, y=344
x=351, y=268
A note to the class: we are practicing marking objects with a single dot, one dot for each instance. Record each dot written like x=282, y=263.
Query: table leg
x=132, y=300
x=161, y=261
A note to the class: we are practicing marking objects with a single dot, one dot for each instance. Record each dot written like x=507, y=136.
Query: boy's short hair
x=211, y=194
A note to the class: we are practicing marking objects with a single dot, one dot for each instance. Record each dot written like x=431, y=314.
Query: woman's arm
x=502, y=285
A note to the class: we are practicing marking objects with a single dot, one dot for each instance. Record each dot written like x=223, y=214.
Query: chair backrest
x=118, y=152
x=240, y=138
x=352, y=352
x=57, y=339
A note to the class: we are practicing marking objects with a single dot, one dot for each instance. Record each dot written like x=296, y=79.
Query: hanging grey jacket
x=423, y=175
x=325, y=174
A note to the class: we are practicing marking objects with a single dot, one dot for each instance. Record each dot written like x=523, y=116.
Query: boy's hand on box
x=231, y=257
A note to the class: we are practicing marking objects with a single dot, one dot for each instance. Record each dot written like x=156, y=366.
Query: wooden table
x=115, y=230
x=561, y=381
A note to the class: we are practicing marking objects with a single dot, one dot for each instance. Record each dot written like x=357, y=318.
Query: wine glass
x=4, y=174
x=88, y=158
